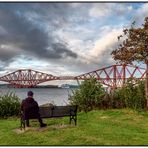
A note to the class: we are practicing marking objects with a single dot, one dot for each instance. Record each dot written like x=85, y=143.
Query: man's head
x=30, y=94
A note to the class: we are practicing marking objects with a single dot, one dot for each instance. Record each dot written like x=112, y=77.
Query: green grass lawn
x=98, y=127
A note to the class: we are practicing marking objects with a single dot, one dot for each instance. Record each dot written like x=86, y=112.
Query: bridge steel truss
x=116, y=75
x=113, y=76
x=27, y=78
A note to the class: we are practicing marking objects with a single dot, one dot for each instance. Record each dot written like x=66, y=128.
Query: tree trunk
x=146, y=85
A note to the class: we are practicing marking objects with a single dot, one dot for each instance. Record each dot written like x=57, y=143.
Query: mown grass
x=98, y=127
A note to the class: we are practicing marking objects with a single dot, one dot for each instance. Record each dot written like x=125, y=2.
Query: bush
x=9, y=105
x=132, y=95
x=89, y=95
x=112, y=99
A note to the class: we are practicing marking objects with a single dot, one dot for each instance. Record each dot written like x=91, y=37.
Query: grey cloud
x=3, y=65
x=28, y=37
x=62, y=50
x=77, y=67
x=7, y=54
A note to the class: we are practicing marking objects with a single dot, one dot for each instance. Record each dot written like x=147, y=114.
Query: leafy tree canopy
x=135, y=45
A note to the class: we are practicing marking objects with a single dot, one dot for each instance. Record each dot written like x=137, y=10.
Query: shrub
x=134, y=95
x=113, y=100
x=89, y=95
x=131, y=95
x=9, y=105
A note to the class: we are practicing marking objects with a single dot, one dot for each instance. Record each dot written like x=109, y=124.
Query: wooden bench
x=53, y=112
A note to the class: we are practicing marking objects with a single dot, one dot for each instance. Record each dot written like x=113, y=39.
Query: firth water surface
x=58, y=96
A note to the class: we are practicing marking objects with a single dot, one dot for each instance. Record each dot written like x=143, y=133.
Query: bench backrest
x=58, y=111
x=45, y=112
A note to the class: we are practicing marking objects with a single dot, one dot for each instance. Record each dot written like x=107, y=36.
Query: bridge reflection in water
x=112, y=76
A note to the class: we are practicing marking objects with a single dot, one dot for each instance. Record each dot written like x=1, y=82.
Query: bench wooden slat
x=61, y=111
x=45, y=112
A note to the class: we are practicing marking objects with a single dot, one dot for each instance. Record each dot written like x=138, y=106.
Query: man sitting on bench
x=30, y=108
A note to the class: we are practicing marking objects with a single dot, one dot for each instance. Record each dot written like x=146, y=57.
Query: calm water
x=57, y=96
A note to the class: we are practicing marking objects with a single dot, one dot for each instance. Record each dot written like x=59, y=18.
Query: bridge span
x=112, y=76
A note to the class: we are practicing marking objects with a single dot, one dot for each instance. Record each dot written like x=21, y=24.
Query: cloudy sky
x=63, y=38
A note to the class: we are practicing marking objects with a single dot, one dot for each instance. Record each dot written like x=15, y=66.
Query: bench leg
x=22, y=124
x=73, y=118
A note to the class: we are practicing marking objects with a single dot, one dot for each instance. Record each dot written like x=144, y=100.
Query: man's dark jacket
x=30, y=108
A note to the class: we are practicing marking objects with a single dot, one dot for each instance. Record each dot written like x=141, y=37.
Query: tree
x=134, y=47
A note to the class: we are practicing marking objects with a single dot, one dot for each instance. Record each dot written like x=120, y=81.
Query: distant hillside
x=68, y=86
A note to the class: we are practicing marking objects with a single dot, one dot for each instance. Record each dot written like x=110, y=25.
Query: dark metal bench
x=53, y=112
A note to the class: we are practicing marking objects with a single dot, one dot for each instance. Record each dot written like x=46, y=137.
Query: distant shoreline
x=39, y=86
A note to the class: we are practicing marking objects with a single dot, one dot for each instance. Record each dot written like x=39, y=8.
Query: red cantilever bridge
x=112, y=76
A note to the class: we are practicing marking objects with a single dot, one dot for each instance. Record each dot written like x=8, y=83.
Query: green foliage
x=132, y=95
x=9, y=105
x=114, y=99
x=92, y=95
x=89, y=95
x=134, y=44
